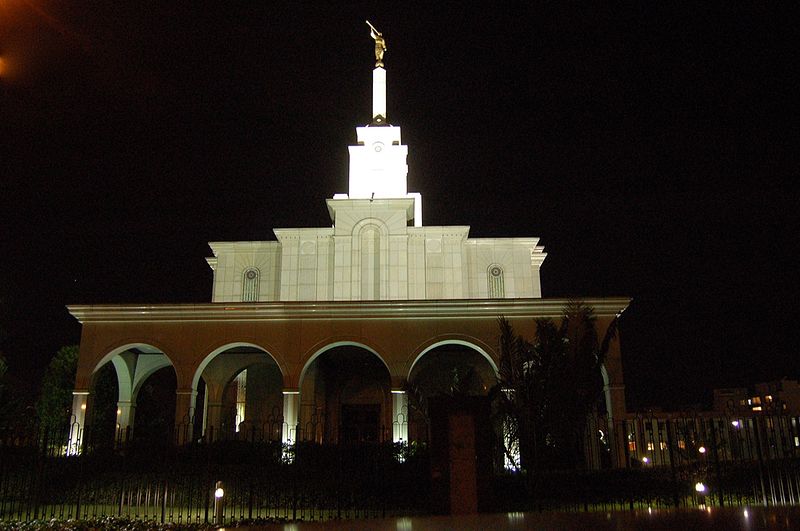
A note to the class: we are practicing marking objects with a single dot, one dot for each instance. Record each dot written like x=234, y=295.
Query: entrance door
x=360, y=423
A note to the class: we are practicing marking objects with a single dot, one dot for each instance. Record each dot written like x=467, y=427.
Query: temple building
x=315, y=334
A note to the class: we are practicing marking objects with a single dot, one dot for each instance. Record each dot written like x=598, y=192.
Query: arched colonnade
x=210, y=346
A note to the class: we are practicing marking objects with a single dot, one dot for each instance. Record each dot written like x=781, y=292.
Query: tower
x=378, y=168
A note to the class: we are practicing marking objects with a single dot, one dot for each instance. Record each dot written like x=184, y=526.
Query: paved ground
x=712, y=518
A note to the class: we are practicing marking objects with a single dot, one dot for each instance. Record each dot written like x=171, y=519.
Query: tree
x=54, y=406
x=547, y=388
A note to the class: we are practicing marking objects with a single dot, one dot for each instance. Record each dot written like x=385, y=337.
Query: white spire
x=378, y=168
x=379, y=96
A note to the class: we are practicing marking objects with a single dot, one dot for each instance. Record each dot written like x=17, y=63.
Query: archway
x=345, y=396
x=117, y=382
x=446, y=371
x=239, y=394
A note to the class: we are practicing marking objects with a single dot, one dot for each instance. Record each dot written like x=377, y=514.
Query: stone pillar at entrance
x=125, y=413
x=291, y=405
x=79, y=401
x=399, y=416
x=615, y=405
x=184, y=415
x=213, y=421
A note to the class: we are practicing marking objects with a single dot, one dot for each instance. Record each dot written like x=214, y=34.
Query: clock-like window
x=496, y=285
x=250, y=279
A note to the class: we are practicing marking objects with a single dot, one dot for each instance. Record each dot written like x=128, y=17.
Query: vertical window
x=250, y=285
x=241, y=397
x=370, y=264
x=496, y=287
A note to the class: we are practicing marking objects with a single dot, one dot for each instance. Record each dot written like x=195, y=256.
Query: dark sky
x=652, y=148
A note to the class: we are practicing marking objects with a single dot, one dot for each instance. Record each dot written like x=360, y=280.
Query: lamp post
x=219, y=505
x=701, y=489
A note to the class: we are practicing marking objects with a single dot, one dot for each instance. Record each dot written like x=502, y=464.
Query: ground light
x=219, y=494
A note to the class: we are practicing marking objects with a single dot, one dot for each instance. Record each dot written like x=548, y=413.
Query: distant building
x=779, y=396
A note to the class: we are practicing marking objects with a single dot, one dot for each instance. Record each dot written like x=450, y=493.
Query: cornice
x=332, y=310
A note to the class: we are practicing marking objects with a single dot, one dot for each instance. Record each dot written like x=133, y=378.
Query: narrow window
x=241, y=397
x=496, y=287
x=250, y=285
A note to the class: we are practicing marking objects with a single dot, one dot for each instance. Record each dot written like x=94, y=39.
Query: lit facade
x=316, y=334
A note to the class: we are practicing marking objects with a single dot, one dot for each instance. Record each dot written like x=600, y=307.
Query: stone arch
x=464, y=341
x=344, y=392
x=126, y=345
x=214, y=412
x=329, y=345
x=134, y=363
x=227, y=346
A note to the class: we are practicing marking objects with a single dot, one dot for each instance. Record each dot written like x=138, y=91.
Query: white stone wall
x=372, y=254
x=232, y=259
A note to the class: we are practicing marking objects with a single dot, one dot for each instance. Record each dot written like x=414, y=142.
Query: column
x=76, y=430
x=615, y=408
x=184, y=415
x=291, y=405
x=213, y=421
x=125, y=414
x=379, y=94
x=399, y=416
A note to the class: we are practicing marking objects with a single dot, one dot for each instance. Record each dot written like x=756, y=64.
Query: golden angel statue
x=380, y=44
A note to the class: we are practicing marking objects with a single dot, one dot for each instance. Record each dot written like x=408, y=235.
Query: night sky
x=652, y=149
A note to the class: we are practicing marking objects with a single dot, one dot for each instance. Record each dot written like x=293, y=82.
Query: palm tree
x=547, y=388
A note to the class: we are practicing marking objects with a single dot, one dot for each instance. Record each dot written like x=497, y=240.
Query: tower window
x=496, y=286
x=250, y=285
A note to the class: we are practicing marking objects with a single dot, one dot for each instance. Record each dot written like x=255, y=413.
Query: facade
x=314, y=335
x=780, y=396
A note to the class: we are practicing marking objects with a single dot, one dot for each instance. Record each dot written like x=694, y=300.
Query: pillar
x=184, y=415
x=291, y=405
x=213, y=421
x=399, y=416
x=125, y=413
x=379, y=93
x=615, y=408
x=80, y=399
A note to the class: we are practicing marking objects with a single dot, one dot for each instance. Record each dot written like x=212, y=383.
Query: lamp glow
x=645, y=460
x=702, y=449
x=700, y=487
x=735, y=423
x=219, y=493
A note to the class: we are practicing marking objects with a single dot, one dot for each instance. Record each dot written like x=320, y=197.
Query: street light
x=219, y=493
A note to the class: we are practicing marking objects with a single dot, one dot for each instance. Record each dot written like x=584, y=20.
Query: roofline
x=327, y=310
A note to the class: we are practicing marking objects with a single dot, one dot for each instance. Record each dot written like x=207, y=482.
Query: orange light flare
x=34, y=34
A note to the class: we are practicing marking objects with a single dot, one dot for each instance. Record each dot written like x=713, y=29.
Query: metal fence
x=738, y=461
x=168, y=483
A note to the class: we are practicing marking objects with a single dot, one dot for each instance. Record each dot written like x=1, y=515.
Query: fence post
x=715, y=455
x=670, y=437
x=757, y=431
x=164, y=502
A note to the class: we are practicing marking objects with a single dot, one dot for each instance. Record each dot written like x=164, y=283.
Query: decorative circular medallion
x=378, y=147
x=495, y=271
x=250, y=275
